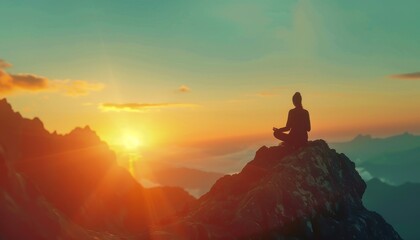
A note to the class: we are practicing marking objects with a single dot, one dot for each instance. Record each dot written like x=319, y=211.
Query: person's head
x=297, y=99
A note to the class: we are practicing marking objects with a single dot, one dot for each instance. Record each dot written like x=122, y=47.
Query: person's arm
x=287, y=127
x=284, y=129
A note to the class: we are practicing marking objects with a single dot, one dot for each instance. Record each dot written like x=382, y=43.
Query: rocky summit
x=310, y=193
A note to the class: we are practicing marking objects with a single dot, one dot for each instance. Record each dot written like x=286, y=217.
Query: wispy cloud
x=184, y=89
x=138, y=107
x=12, y=83
x=4, y=64
x=266, y=94
x=406, y=76
x=77, y=87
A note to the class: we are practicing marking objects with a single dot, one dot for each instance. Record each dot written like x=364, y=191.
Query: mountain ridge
x=397, y=204
x=395, y=158
x=77, y=174
x=364, y=147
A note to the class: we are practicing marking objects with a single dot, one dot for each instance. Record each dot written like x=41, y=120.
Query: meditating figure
x=298, y=123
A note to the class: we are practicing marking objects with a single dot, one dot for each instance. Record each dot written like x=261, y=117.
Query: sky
x=164, y=73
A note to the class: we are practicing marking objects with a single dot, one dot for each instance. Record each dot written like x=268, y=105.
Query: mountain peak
x=82, y=131
x=404, y=135
x=311, y=193
x=12, y=122
x=362, y=137
x=5, y=107
x=3, y=102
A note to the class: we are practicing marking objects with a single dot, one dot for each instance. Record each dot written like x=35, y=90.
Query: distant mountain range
x=195, y=181
x=51, y=183
x=399, y=205
x=395, y=159
x=155, y=172
x=365, y=147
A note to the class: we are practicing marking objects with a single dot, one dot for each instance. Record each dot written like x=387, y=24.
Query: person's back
x=298, y=123
x=299, y=126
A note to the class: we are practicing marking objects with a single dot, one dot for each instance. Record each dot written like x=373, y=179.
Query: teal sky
x=223, y=50
x=213, y=37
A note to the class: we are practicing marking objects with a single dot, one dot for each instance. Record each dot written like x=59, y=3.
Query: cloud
x=4, y=64
x=12, y=83
x=272, y=92
x=406, y=76
x=77, y=87
x=184, y=89
x=29, y=81
x=137, y=107
x=266, y=94
x=21, y=82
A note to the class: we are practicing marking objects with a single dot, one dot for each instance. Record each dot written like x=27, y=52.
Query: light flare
x=131, y=142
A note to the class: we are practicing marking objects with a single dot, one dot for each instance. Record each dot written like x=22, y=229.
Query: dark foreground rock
x=311, y=193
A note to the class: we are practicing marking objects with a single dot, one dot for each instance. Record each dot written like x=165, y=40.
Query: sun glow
x=131, y=142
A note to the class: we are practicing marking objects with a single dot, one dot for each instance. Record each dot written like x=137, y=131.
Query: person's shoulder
x=299, y=111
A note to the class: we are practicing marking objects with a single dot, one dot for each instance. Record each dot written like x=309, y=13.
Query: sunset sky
x=163, y=72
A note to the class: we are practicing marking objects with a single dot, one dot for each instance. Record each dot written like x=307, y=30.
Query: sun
x=130, y=141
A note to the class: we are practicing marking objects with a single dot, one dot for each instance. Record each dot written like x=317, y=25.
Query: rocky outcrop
x=312, y=193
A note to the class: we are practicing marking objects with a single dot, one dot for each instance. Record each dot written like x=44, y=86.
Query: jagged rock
x=312, y=193
x=77, y=175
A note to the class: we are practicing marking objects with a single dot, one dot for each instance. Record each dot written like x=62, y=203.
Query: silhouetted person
x=297, y=122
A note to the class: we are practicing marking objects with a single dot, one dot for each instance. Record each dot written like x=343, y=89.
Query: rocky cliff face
x=72, y=179
x=76, y=172
x=312, y=193
x=26, y=214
